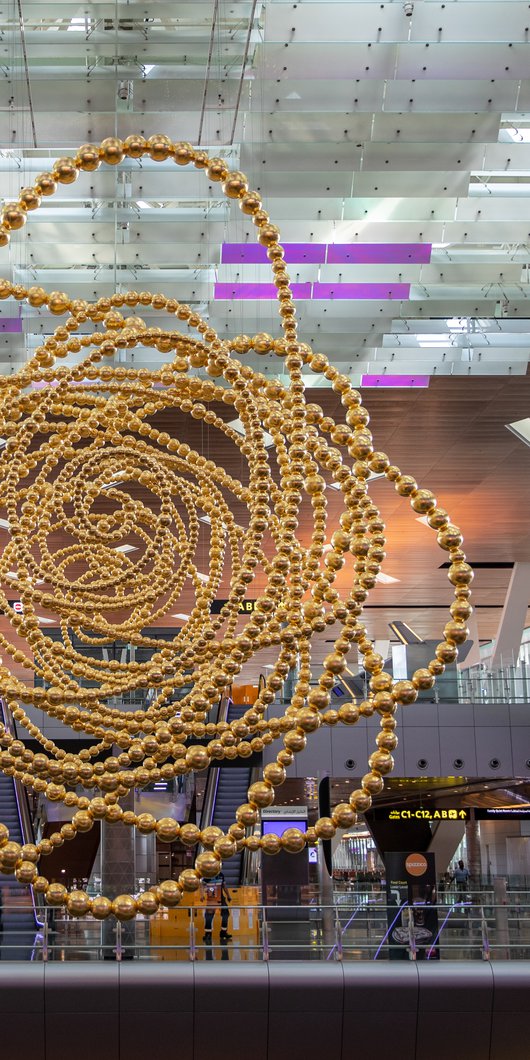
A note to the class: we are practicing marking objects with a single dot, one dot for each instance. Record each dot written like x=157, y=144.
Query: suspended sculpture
x=72, y=433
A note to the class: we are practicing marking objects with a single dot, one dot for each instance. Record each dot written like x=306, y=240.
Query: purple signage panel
x=332, y=253
x=255, y=254
x=378, y=253
x=13, y=325
x=395, y=380
x=336, y=291
x=228, y=291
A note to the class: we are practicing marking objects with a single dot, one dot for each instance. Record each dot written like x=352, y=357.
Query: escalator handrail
x=21, y=796
x=248, y=855
x=212, y=783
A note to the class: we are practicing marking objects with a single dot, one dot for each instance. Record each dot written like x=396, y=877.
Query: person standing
x=216, y=892
x=461, y=877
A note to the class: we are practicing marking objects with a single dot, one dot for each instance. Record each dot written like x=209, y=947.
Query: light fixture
x=4, y=524
x=182, y=616
x=521, y=429
x=126, y=548
x=385, y=579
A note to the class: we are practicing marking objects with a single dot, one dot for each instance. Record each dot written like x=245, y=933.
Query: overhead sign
x=246, y=607
x=279, y=813
x=503, y=813
x=422, y=813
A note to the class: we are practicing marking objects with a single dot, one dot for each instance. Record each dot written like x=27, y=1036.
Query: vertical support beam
x=473, y=656
x=473, y=852
x=118, y=875
x=511, y=625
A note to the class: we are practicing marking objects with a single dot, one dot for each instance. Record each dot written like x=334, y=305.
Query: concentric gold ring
x=79, y=432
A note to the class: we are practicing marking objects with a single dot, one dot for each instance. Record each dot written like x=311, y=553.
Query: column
x=117, y=874
x=512, y=623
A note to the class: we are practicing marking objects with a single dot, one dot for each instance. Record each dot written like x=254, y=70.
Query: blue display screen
x=279, y=827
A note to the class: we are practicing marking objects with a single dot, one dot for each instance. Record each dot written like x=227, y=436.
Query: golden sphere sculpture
x=80, y=432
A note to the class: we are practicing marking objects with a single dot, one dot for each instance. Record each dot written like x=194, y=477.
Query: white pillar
x=511, y=625
x=473, y=656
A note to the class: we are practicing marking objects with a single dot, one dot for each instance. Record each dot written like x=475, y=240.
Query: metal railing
x=368, y=930
x=508, y=684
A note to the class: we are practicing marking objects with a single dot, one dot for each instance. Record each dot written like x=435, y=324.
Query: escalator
x=229, y=786
x=18, y=926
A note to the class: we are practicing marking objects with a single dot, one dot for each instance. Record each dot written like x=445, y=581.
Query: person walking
x=217, y=896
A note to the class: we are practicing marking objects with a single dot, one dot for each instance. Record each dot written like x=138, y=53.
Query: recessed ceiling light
x=204, y=519
x=47, y=621
x=521, y=429
x=182, y=616
x=4, y=524
x=385, y=579
x=126, y=548
x=202, y=577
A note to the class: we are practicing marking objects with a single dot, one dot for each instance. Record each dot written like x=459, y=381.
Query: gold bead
x=111, y=150
x=78, y=903
x=169, y=893
x=124, y=907
x=167, y=829
x=147, y=903
x=343, y=816
x=207, y=864
x=293, y=840
x=56, y=894
x=404, y=692
x=325, y=828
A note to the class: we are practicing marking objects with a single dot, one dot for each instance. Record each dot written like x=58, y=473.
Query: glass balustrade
x=353, y=927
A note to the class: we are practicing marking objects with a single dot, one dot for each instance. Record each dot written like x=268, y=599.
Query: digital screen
x=279, y=827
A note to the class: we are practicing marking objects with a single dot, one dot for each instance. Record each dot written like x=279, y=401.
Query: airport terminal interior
x=264, y=529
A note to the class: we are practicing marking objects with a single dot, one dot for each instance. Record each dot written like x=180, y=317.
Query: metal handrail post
x=412, y=936
x=45, y=939
x=264, y=935
x=119, y=946
x=486, y=951
x=338, y=938
x=193, y=938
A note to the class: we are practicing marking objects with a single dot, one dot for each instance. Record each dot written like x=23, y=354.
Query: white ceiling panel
x=357, y=124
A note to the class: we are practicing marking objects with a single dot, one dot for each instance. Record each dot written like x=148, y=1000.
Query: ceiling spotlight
x=125, y=90
x=408, y=9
